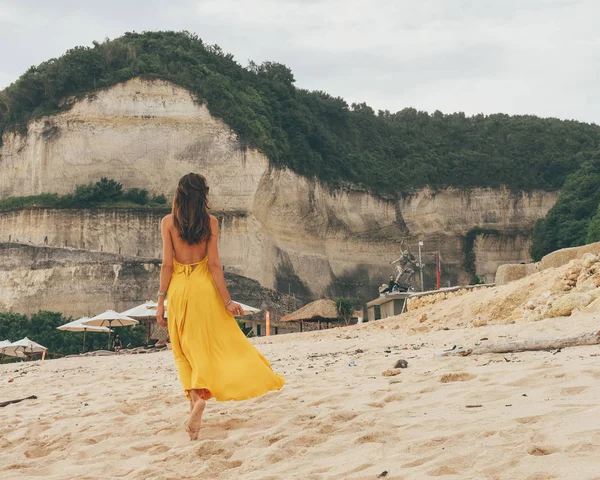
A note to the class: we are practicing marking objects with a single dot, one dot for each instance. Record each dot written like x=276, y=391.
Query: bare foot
x=195, y=421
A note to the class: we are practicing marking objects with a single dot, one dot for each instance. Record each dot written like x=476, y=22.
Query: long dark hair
x=190, y=209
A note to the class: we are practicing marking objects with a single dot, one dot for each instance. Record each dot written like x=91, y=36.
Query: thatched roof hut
x=323, y=310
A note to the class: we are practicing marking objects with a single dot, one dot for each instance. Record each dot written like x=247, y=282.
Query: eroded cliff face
x=79, y=282
x=286, y=231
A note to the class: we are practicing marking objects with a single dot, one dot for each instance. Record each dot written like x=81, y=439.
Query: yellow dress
x=211, y=352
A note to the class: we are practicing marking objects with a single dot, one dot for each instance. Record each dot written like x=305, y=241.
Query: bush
x=135, y=195
x=569, y=222
x=105, y=193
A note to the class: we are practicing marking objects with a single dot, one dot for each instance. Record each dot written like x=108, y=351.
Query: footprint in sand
x=529, y=420
x=344, y=416
x=209, y=448
x=37, y=452
x=573, y=390
x=327, y=429
x=375, y=437
x=394, y=397
x=542, y=476
x=537, y=451
x=275, y=439
x=419, y=461
x=443, y=470
x=456, y=377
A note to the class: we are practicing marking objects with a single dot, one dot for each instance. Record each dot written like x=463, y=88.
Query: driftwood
x=529, y=345
x=4, y=404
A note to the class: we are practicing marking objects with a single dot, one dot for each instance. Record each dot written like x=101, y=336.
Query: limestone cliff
x=79, y=282
x=286, y=231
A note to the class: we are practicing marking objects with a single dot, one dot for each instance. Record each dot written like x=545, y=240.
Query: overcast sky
x=515, y=56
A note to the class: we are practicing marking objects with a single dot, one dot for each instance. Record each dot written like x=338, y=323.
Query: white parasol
x=79, y=326
x=25, y=345
x=145, y=311
x=247, y=309
x=4, y=350
x=109, y=319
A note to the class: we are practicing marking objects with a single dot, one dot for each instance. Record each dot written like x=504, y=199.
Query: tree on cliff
x=573, y=219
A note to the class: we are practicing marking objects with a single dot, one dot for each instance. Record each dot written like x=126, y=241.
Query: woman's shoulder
x=168, y=219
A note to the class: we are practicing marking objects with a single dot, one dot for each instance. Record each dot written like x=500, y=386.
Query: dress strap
x=187, y=268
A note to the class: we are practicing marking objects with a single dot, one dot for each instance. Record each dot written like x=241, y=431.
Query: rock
x=563, y=306
x=588, y=260
x=593, y=307
x=391, y=372
x=401, y=364
x=530, y=305
x=573, y=276
x=479, y=322
x=594, y=293
x=423, y=318
x=571, y=283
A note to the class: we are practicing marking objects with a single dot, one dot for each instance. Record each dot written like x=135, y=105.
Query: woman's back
x=183, y=252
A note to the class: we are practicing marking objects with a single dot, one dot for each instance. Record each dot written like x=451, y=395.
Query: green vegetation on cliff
x=105, y=193
x=314, y=133
x=574, y=220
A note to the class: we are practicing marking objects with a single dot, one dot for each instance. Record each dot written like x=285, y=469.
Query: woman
x=213, y=357
x=117, y=343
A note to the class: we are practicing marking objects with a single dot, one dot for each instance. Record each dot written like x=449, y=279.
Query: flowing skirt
x=211, y=352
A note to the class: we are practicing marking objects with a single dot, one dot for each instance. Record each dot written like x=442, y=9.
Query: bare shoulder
x=167, y=220
x=214, y=224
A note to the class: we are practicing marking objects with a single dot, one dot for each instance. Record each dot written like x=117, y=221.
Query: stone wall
x=510, y=272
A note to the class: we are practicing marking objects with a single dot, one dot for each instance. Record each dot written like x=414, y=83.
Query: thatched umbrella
x=323, y=310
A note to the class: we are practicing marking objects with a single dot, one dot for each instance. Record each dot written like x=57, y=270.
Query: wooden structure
x=319, y=312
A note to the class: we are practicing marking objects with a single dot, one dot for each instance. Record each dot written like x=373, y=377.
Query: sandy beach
x=529, y=415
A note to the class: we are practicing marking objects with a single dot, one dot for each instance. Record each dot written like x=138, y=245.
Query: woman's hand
x=235, y=309
x=160, y=315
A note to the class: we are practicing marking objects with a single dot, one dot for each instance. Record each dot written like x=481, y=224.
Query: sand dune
x=121, y=417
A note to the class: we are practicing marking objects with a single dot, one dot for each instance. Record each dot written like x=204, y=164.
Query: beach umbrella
x=145, y=311
x=3, y=345
x=5, y=351
x=109, y=319
x=78, y=326
x=248, y=310
x=25, y=345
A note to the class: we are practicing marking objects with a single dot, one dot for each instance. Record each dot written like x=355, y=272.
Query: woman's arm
x=216, y=270
x=166, y=270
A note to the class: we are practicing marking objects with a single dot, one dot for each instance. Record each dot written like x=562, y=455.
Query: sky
x=538, y=57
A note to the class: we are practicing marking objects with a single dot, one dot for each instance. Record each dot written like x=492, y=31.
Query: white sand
x=122, y=417
x=537, y=413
